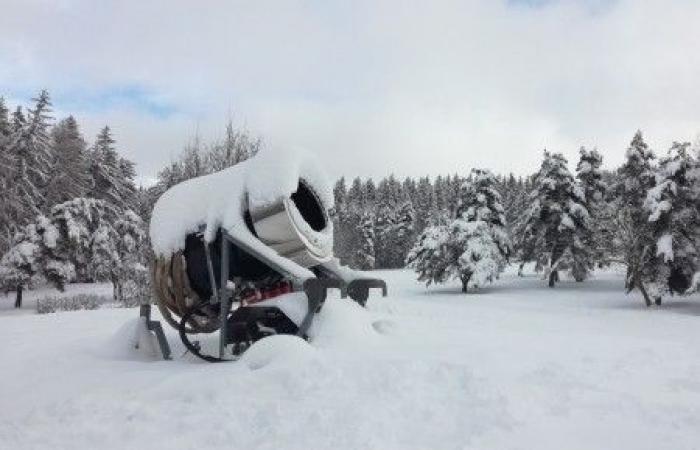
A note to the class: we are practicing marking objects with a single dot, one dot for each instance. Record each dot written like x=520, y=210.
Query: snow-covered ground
x=515, y=366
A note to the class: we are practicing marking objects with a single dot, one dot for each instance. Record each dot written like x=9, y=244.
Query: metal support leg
x=155, y=327
x=224, y=296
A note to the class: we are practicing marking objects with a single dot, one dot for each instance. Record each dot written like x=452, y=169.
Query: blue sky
x=410, y=87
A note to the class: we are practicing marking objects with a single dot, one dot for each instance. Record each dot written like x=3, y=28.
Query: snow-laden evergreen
x=365, y=253
x=674, y=215
x=80, y=240
x=556, y=221
x=69, y=177
x=633, y=236
x=595, y=235
x=113, y=176
x=474, y=247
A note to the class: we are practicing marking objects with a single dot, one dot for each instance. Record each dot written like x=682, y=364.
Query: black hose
x=189, y=345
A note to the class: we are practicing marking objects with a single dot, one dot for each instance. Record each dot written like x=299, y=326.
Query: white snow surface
x=515, y=365
x=219, y=199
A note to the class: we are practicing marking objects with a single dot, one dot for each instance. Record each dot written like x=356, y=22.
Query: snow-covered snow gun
x=247, y=252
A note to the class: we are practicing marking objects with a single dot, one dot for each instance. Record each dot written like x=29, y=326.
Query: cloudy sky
x=372, y=87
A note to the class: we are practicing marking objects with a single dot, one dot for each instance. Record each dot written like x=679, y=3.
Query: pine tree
x=5, y=175
x=83, y=239
x=424, y=203
x=475, y=256
x=69, y=175
x=112, y=175
x=479, y=200
x=430, y=257
x=633, y=232
x=674, y=215
x=556, y=218
x=480, y=231
x=364, y=258
x=30, y=154
x=595, y=236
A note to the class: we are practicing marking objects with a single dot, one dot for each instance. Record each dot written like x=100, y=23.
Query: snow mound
x=344, y=324
x=132, y=341
x=279, y=350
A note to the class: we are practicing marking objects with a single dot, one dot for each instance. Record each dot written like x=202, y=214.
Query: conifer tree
x=364, y=258
x=69, y=176
x=30, y=153
x=595, y=236
x=674, y=215
x=633, y=232
x=112, y=176
x=555, y=219
x=479, y=230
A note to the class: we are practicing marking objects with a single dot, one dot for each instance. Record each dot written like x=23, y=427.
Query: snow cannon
x=247, y=252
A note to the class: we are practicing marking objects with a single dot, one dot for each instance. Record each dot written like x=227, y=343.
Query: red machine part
x=266, y=293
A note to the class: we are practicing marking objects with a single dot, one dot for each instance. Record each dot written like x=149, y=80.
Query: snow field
x=514, y=366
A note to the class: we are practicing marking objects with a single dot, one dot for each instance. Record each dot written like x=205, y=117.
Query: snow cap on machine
x=220, y=200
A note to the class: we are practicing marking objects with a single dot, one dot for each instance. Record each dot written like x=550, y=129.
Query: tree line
x=644, y=215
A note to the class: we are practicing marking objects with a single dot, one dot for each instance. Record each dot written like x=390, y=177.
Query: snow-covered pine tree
x=441, y=200
x=128, y=271
x=555, y=219
x=340, y=213
x=474, y=255
x=430, y=256
x=5, y=174
x=30, y=154
x=347, y=218
x=479, y=200
x=403, y=232
x=20, y=264
x=364, y=257
x=674, y=215
x=112, y=176
x=424, y=203
x=596, y=235
x=69, y=177
x=81, y=240
x=385, y=219
x=479, y=231
x=633, y=236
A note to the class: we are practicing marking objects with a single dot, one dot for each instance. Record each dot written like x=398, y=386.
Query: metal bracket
x=316, y=290
x=155, y=327
x=358, y=289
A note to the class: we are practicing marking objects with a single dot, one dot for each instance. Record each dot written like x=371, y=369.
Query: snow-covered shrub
x=52, y=304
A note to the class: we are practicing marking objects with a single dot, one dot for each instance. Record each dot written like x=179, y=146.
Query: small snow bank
x=343, y=324
x=279, y=350
x=132, y=342
x=219, y=200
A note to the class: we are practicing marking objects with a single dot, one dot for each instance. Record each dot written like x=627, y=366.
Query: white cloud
x=404, y=86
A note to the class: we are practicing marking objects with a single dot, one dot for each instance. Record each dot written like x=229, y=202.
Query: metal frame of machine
x=314, y=287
